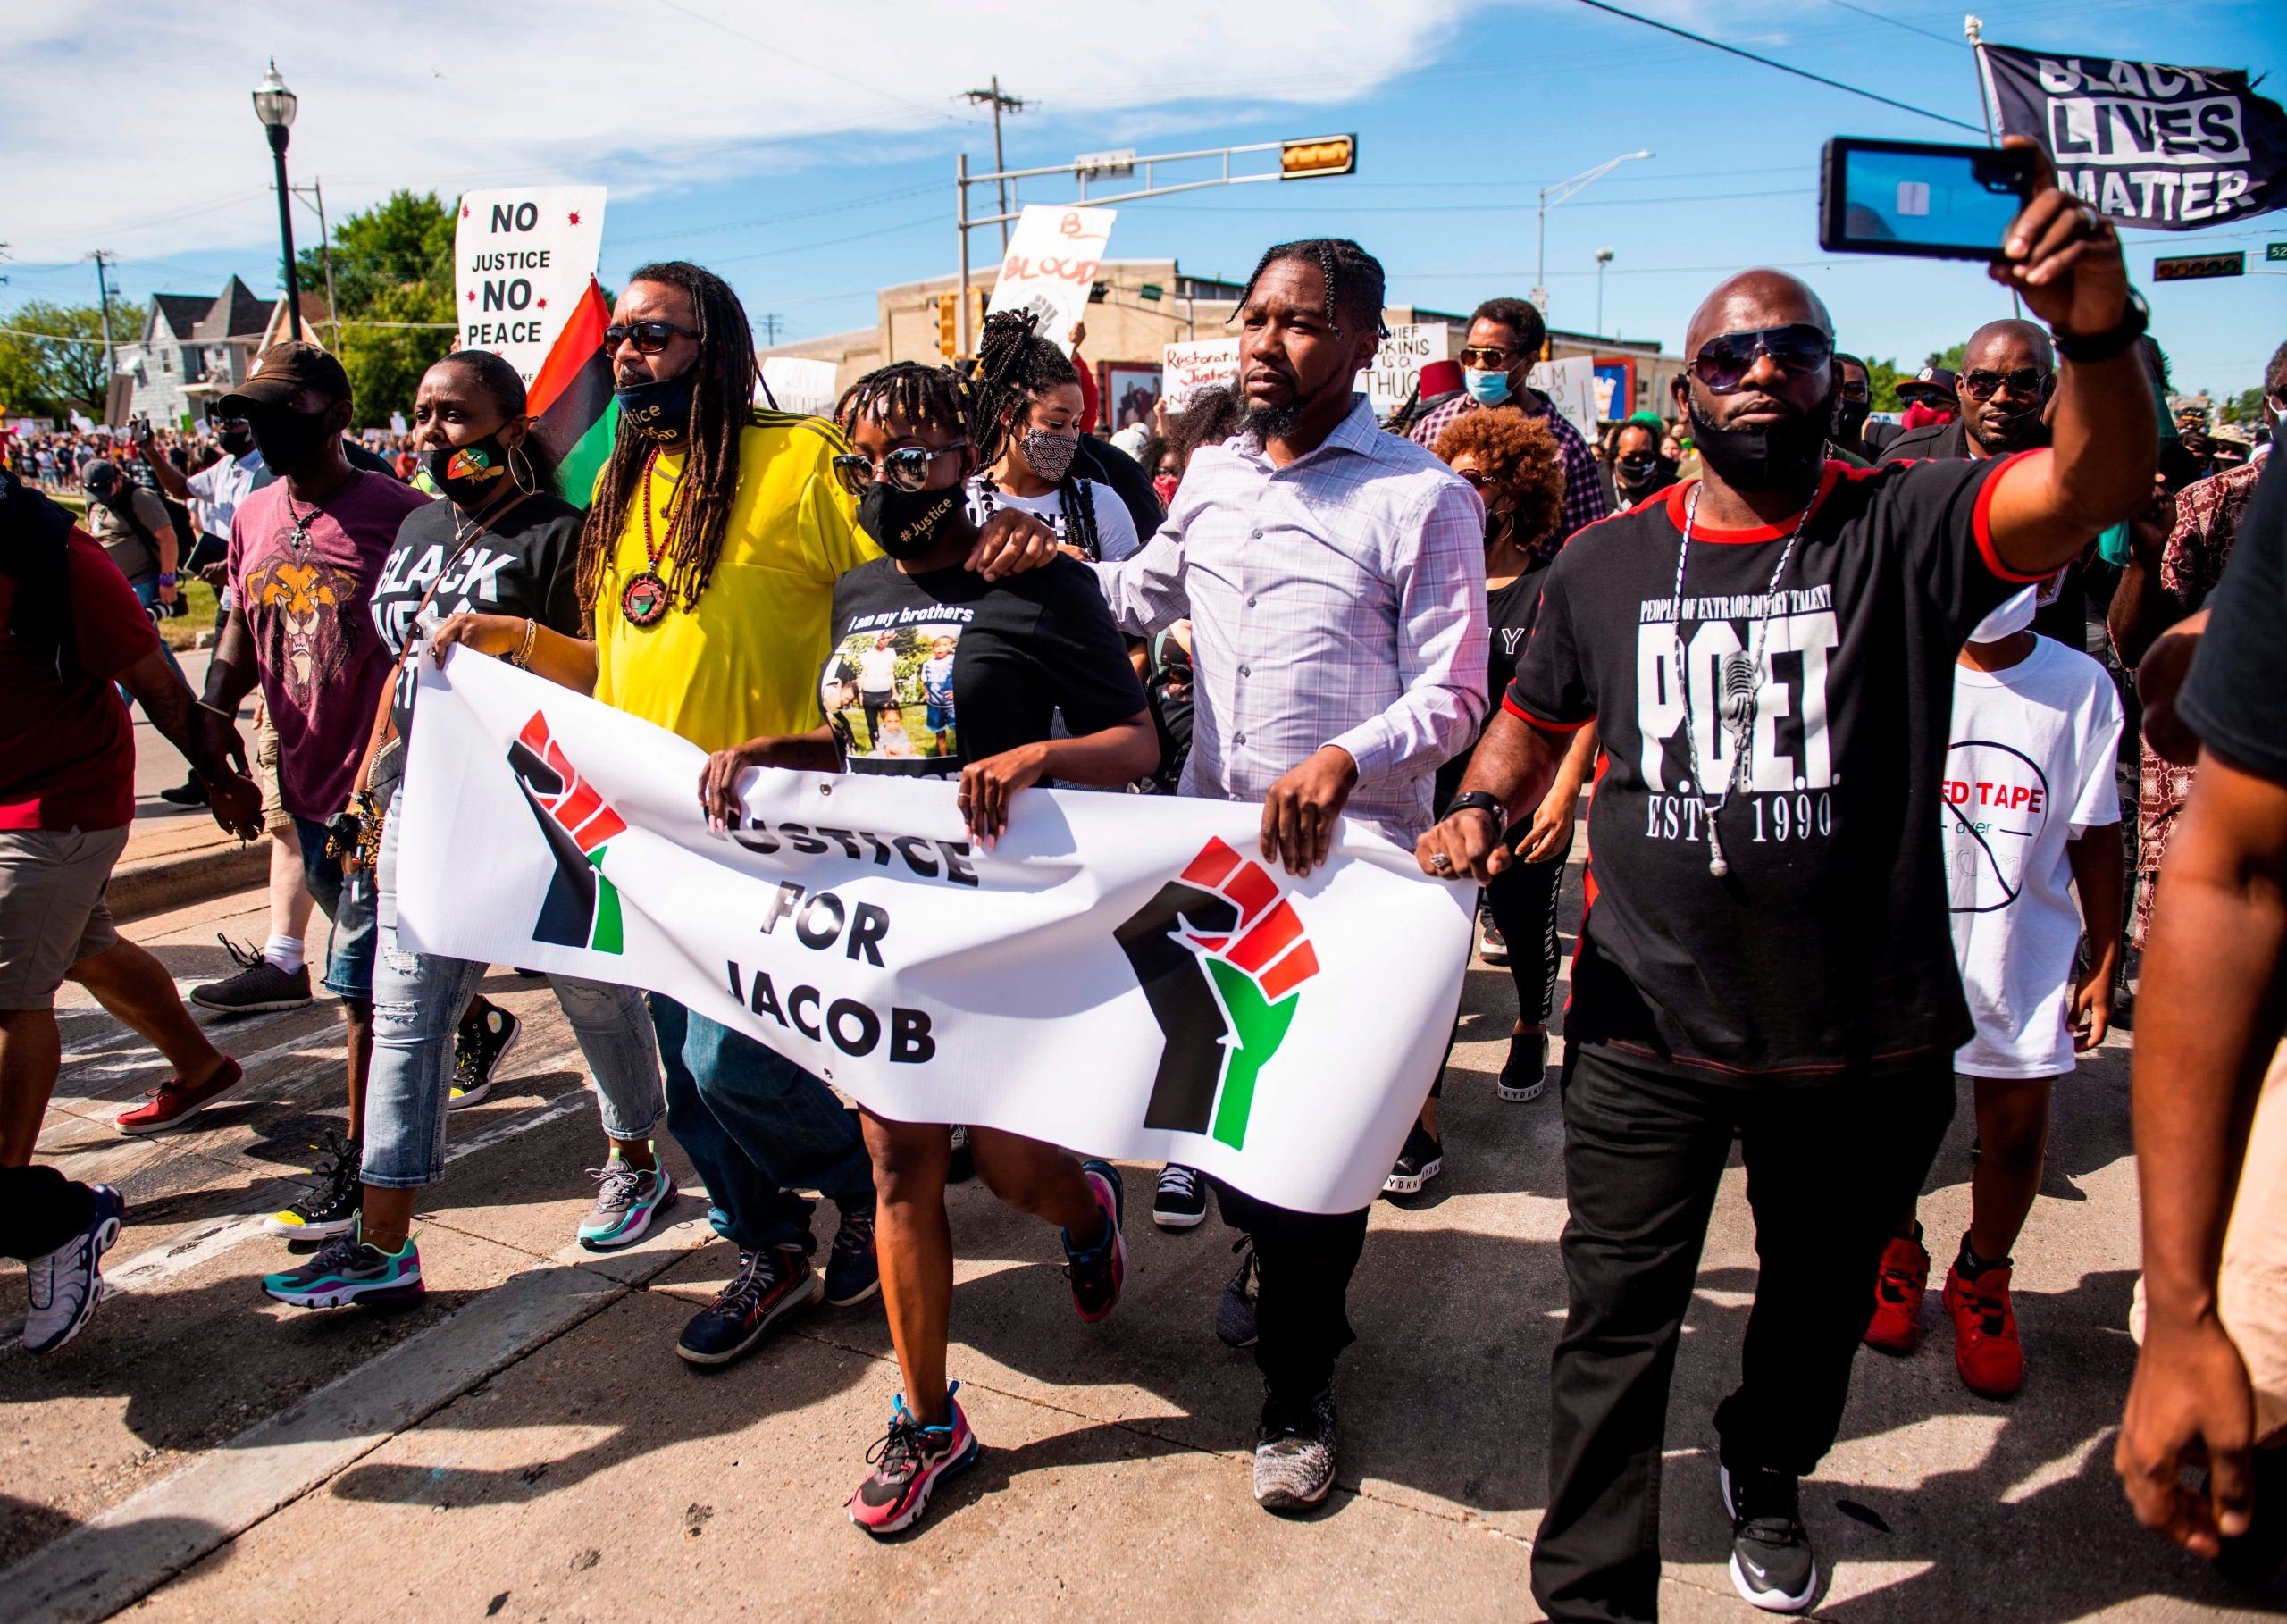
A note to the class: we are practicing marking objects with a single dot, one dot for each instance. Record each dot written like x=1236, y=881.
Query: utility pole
x=316, y=189
x=998, y=102
x=770, y=321
x=111, y=364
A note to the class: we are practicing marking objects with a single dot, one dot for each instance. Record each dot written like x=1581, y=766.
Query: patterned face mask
x=1050, y=455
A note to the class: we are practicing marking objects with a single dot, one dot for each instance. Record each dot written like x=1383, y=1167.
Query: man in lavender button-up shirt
x=1334, y=576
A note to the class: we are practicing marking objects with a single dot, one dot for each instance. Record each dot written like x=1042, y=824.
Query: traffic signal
x=1315, y=156
x=948, y=324
x=2192, y=267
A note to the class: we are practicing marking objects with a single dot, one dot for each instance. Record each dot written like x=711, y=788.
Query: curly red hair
x=1520, y=453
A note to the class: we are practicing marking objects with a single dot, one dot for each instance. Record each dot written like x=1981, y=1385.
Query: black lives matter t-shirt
x=525, y=564
x=933, y=670
x=1826, y=948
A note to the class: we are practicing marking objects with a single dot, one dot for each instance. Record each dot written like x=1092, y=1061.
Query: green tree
x=1882, y=379
x=1951, y=359
x=63, y=369
x=393, y=262
x=2246, y=407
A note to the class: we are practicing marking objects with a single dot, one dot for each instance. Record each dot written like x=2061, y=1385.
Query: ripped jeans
x=418, y=999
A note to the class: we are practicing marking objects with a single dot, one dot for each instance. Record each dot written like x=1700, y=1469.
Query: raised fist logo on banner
x=583, y=908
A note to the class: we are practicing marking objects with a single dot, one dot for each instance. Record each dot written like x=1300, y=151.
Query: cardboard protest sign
x=798, y=383
x=1570, y=386
x=521, y=257
x=1398, y=363
x=1194, y=367
x=1052, y=264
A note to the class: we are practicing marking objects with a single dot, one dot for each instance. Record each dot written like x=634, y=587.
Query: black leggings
x=1522, y=900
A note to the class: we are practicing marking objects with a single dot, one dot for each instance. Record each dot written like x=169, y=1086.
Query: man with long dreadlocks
x=707, y=569
x=1334, y=576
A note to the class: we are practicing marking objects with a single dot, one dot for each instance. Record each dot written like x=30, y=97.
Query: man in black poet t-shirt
x=1767, y=653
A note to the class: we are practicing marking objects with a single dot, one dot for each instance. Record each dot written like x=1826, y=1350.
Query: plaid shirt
x=1584, y=487
x=1338, y=600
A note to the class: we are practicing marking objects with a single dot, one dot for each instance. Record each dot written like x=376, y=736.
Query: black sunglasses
x=907, y=468
x=1855, y=391
x=1724, y=361
x=651, y=338
x=1984, y=385
x=1490, y=357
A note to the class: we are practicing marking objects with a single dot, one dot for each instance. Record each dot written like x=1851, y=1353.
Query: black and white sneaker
x=1525, y=1072
x=1772, y=1563
x=1422, y=1161
x=1495, y=948
x=486, y=1034
x=332, y=1208
x=1181, y=1199
x=1294, y=1453
x=1235, y=1314
x=259, y=986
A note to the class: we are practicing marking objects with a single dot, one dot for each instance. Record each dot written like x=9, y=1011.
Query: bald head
x=1753, y=300
x=2007, y=345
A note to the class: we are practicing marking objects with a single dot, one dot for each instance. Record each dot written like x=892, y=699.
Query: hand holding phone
x=1921, y=199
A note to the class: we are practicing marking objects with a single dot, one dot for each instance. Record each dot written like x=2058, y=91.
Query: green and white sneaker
x=346, y=1269
x=627, y=1199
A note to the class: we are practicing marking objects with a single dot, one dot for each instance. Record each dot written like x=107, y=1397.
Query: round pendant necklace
x=643, y=600
x=1738, y=696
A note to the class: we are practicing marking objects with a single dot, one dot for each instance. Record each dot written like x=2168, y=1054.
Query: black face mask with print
x=1636, y=471
x=288, y=439
x=235, y=442
x=908, y=524
x=660, y=410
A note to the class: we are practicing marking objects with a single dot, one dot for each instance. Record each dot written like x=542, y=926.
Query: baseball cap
x=1928, y=380
x=97, y=471
x=278, y=372
x=1440, y=378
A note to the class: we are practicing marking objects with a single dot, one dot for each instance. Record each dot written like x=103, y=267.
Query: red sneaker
x=1899, y=1286
x=175, y=1103
x=1986, y=1349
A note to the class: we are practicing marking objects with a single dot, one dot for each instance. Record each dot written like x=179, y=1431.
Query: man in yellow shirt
x=708, y=564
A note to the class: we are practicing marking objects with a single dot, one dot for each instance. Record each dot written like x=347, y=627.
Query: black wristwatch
x=1481, y=800
x=2134, y=317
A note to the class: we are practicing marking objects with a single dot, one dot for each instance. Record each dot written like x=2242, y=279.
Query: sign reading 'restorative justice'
x=521, y=257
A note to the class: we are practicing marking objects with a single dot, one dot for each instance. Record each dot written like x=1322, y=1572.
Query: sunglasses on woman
x=1474, y=476
x=651, y=338
x=1724, y=361
x=907, y=468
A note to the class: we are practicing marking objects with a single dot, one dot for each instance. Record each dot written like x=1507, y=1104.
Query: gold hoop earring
x=528, y=482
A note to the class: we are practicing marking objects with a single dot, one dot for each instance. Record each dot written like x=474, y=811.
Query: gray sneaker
x=1294, y=1453
x=628, y=1201
x=258, y=985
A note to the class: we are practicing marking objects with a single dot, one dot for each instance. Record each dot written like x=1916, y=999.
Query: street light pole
x=1564, y=191
x=275, y=105
x=1603, y=258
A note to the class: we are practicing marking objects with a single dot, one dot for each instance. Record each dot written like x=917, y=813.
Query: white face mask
x=2011, y=618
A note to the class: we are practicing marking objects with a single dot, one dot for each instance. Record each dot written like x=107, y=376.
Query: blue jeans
x=418, y=999
x=146, y=593
x=347, y=900
x=752, y=1123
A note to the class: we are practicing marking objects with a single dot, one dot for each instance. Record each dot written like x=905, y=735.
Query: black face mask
x=1850, y=417
x=1766, y=457
x=908, y=524
x=469, y=475
x=287, y=440
x=660, y=410
x=235, y=442
x=1636, y=471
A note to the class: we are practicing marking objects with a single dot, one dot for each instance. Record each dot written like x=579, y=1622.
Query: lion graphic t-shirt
x=932, y=671
x=304, y=577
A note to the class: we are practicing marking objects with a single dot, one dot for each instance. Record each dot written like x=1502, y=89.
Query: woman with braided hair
x=975, y=672
x=1031, y=418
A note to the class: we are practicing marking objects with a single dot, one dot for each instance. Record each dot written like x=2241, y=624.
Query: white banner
x=1052, y=264
x=1398, y=364
x=1196, y=367
x=521, y=258
x=798, y=383
x=1118, y=976
x=1570, y=386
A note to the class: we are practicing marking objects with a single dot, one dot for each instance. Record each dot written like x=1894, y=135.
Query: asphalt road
x=522, y=1443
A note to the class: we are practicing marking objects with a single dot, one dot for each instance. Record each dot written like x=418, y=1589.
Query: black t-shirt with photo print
x=1826, y=950
x=525, y=564
x=931, y=671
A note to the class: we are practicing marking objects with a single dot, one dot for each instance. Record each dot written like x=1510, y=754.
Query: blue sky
x=812, y=164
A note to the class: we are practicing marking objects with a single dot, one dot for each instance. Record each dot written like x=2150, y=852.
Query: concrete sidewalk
x=177, y=855
x=522, y=1443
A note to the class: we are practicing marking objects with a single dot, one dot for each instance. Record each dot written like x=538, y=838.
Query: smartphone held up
x=1922, y=199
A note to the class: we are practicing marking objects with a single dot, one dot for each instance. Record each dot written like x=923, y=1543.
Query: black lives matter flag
x=2171, y=149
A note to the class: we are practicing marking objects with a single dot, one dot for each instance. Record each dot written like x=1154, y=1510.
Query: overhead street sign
x=2275, y=251
x=2192, y=267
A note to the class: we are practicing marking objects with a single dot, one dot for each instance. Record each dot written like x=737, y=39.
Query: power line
x=871, y=89
x=1943, y=39
x=1816, y=79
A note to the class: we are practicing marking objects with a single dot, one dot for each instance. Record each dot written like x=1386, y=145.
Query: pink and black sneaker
x=1097, y=1272
x=908, y=1462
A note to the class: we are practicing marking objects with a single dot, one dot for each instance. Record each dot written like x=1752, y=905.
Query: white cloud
x=129, y=129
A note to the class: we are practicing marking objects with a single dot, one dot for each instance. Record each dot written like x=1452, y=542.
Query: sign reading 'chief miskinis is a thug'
x=2168, y=148
x=1118, y=974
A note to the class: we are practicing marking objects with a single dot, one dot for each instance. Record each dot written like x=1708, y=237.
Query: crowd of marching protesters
x=1852, y=705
